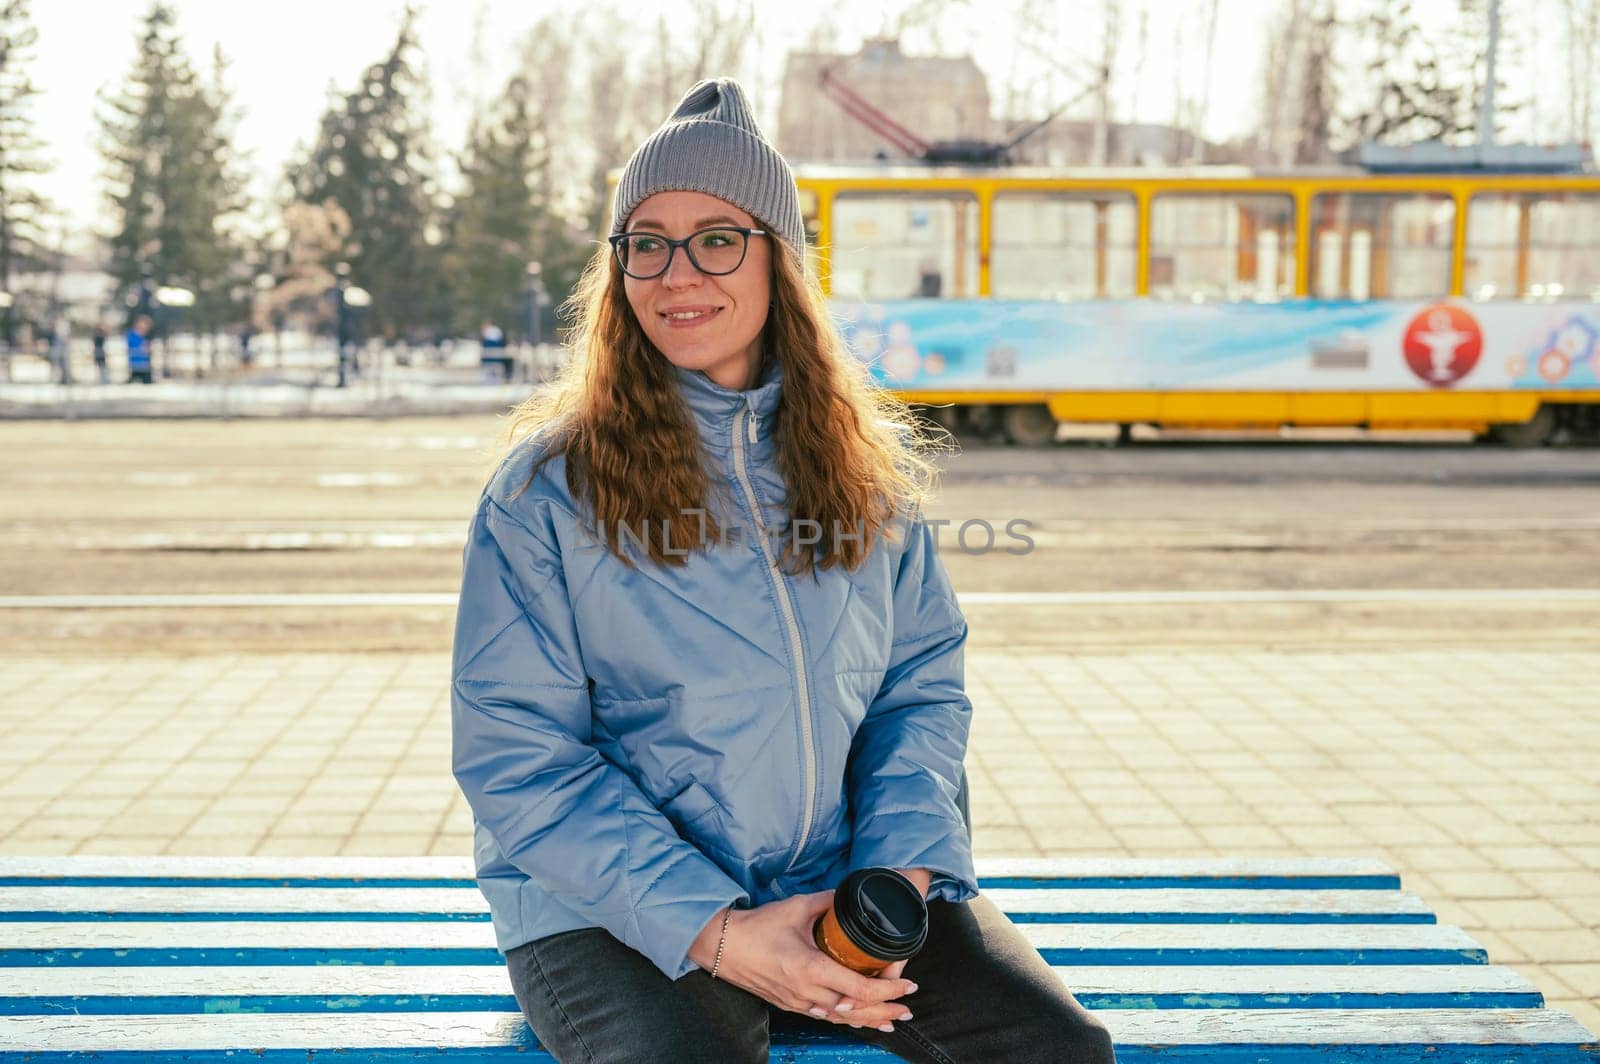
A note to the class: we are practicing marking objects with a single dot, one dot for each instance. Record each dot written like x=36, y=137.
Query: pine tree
x=173, y=184
x=493, y=221
x=506, y=215
x=372, y=159
x=22, y=208
x=221, y=205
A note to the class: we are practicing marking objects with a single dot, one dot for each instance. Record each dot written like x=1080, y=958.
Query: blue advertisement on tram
x=1301, y=345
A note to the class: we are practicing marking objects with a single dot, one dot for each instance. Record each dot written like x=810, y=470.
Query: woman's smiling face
x=697, y=320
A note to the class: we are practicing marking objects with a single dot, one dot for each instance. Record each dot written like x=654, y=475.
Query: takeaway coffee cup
x=878, y=917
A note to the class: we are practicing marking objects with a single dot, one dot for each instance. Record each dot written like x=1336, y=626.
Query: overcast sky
x=284, y=56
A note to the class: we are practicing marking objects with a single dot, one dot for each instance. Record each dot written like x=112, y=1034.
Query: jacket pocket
x=689, y=805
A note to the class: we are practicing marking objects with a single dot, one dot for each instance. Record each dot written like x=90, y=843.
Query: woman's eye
x=644, y=245
x=716, y=240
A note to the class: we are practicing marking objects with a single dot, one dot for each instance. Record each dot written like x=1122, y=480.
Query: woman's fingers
x=848, y=1004
x=865, y=1001
x=864, y=990
x=856, y=1012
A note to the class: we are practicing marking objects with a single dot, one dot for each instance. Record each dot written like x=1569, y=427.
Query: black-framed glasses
x=716, y=251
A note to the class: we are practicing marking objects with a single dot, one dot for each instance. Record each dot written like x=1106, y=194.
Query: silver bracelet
x=721, y=941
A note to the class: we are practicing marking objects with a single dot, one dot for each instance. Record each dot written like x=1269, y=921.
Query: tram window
x=898, y=246
x=1217, y=246
x=1533, y=245
x=1367, y=245
x=1063, y=246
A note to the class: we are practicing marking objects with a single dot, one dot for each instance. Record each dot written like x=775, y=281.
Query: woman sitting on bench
x=684, y=717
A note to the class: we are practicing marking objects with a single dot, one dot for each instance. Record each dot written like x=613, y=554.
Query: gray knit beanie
x=712, y=144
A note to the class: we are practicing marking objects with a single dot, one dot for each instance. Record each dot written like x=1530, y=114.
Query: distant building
x=946, y=98
x=934, y=97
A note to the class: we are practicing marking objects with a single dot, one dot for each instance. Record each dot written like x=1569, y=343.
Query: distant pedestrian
x=100, y=334
x=494, y=357
x=139, y=350
x=61, y=349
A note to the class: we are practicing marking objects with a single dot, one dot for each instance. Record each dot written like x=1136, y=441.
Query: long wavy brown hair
x=853, y=455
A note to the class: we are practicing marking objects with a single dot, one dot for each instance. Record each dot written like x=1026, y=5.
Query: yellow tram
x=1015, y=299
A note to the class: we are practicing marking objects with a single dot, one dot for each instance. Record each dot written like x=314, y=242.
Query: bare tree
x=1582, y=20
x=1141, y=54
x=1204, y=106
x=1019, y=78
x=1110, y=22
x=1463, y=50
x=1316, y=101
x=315, y=234
x=1092, y=77
x=925, y=17
x=612, y=116
x=720, y=40
x=1414, y=91
x=1182, y=105
x=1284, y=46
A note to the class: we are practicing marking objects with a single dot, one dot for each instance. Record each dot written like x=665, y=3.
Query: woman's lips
x=705, y=315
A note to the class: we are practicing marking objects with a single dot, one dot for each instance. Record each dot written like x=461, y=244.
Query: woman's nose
x=681, y=271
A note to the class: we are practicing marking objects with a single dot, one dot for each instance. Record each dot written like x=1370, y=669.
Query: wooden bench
x=199, y=959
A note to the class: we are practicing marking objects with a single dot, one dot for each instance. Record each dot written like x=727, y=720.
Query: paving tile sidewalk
x=1474, y=772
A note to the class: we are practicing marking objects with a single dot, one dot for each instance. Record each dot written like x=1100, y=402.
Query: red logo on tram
x=1442, y=344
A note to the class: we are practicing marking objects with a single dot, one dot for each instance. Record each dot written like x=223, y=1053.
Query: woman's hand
x=769, y=951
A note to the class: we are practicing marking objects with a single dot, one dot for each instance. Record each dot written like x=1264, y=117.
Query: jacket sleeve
x=906, y=758
x=570, y=820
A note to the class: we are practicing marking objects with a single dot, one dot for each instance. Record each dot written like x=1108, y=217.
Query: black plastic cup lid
x=883, y=913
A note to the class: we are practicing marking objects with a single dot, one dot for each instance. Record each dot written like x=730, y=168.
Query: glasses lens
x=643, y=255
x=717, y=250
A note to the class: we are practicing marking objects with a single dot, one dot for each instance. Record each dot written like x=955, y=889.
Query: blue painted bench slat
x=382, y=959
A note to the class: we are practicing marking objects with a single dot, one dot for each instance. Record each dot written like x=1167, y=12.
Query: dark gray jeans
x=984, y=994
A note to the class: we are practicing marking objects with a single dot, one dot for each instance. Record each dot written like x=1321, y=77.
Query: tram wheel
x=1534, y=432
x=1029, y=424
x=980, y=422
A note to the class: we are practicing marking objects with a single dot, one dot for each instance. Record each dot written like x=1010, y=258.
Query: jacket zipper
x=787, y=607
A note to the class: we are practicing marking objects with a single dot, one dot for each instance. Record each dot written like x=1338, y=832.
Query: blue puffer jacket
x=643, y=747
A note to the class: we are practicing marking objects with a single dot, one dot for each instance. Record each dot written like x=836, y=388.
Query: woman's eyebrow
x=716, y=219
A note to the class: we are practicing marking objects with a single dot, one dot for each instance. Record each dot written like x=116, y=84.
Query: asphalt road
x=100, y=508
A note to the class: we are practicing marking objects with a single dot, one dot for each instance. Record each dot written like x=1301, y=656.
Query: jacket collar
x=716, y=409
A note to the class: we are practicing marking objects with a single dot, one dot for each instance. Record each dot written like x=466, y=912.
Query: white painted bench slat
x=369, y=979
x=462, y=868
x=467, y=1030
x=413, y=935
x=469, y=901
